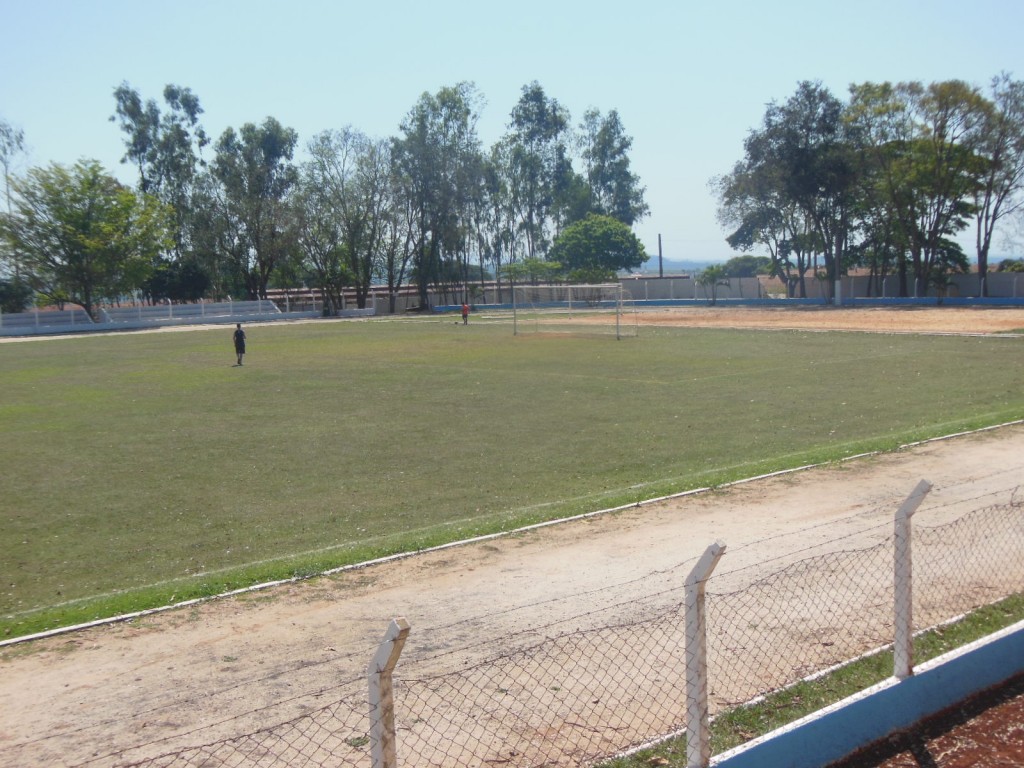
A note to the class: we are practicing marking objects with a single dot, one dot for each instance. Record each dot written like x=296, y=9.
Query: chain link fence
x=586, y=687
x=330, y=736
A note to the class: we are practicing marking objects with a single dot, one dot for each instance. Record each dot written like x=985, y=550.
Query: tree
x=796, y=188
x=571, y=198
x=212, y=240
x=319, y=239
x=537, y=141
x=438, y=163
x=808, y=140
x=753, y=204
x=165, y=147
x=710, y=278
x=614, y=189
x=950, y=260
x=747, y=266
x=534, y=271
x=398, y=241
x=12, y=144
x=598, y=243
x=177, y=281
x=347, y=198
x=497, y=231
x=254, y=222
x=340, y=221
x=15, y=296
x=946, y=163
x=886, y=180
x=923, y=144
x=1002, y=182
x=83, y=236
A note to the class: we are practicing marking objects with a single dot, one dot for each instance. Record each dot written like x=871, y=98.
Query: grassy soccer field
x=144, y=469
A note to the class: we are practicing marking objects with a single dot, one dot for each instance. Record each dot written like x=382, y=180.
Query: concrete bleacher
x=200, y=312
x=38, y=320
x=139, y=316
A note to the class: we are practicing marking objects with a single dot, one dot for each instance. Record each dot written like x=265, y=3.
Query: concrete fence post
x=903, y=587
x=383, y=746
x=698, y=734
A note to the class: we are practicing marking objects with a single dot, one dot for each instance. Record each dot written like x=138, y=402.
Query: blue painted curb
x=893, y=705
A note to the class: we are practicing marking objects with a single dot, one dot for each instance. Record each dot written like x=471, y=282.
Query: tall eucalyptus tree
x=12, y=144
x=614, y=189
x=347, y=194
x=498, y=233
x=437, y=158
x=319, y=226
x=538, y=141
x=254, y=219
x=166, y=147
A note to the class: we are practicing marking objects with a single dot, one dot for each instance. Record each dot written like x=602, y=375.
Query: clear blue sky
x=689, y=81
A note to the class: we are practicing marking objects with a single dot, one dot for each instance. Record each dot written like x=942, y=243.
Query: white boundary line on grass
x=476, y=539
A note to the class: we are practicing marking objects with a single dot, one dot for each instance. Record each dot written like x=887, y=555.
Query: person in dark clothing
x=239, y=338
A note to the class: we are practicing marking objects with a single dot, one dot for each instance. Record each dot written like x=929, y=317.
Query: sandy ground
x=98, y=696
x=882, y=319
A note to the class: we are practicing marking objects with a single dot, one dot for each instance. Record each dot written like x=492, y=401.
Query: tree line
x=237, y=215
x=885, y=181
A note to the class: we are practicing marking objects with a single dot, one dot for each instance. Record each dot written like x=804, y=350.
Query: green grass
x=144, y=469
x=742, y=724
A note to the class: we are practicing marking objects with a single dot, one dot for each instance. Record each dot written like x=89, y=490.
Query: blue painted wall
x=893, y=706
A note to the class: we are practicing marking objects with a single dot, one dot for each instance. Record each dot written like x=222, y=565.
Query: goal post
x=580, y=309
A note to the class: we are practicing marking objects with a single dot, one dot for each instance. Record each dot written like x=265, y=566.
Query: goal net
x=603, y=309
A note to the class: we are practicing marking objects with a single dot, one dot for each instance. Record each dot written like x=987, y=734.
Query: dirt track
x=881, y=319
x=86, y=698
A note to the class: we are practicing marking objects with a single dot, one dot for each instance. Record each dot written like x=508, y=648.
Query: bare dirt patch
x=876, y=319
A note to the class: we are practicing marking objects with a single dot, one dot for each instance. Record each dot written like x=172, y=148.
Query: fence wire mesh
x=807, y=617
x=969, y=562
x=564, y=701
x=330, y=735
x=832, y=608
x=588, y=686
